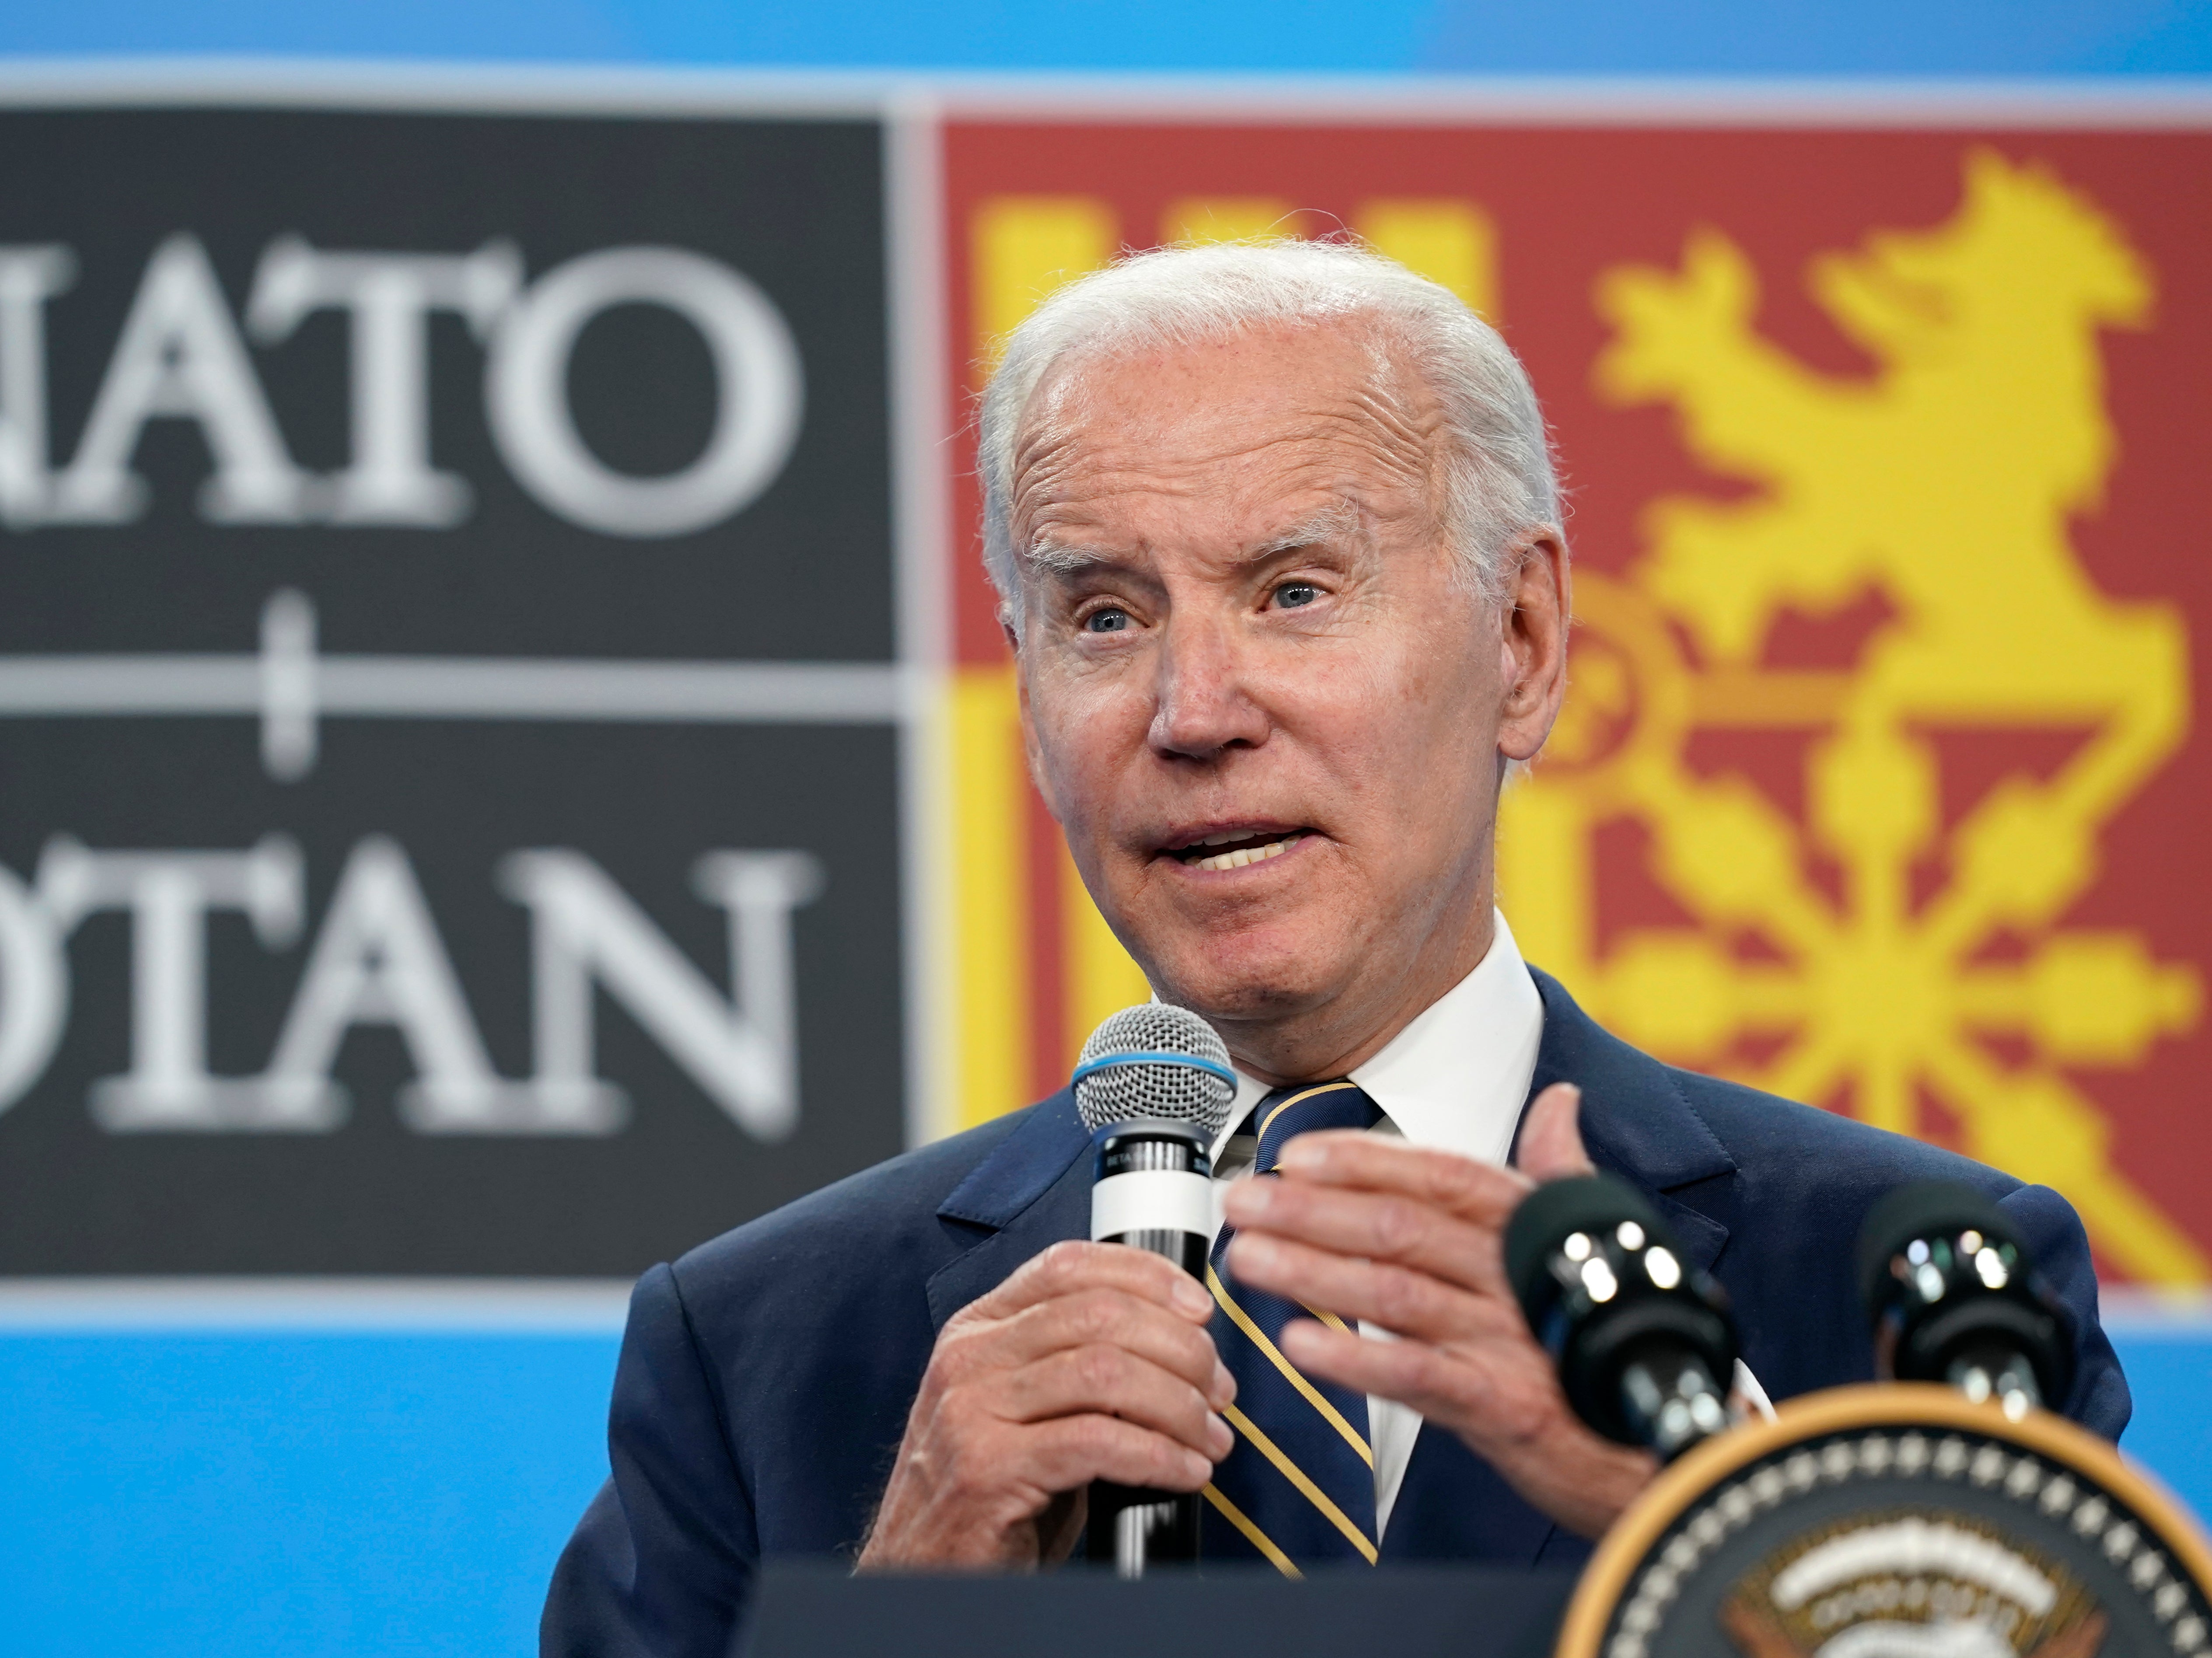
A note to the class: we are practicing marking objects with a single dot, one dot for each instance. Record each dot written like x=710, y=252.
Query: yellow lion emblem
x=1943, y=484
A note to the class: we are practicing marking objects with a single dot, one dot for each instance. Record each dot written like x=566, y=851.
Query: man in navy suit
x=1277, y=535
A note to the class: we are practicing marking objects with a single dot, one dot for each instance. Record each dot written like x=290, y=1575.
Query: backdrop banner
x=449, y=703
x=511, y=766
x=1881, y=775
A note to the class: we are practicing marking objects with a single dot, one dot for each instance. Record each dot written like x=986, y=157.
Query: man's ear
x=1535, y=609
x=1007, y=627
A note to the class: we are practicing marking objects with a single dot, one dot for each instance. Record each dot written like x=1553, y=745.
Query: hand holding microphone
x=1090, y=1363
x=1089, y=1374
x=1154, y=1087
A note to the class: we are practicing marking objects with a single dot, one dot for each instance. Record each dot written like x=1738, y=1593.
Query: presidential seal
x=1899, y=1522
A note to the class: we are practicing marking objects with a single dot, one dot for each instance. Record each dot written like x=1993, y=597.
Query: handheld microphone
x=1154, y=1087
x=1953, y=1298
x=1643, y=1339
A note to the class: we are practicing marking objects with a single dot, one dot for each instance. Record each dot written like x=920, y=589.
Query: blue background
x=1554, y=37
x=291, y=1494
x=334, y=1495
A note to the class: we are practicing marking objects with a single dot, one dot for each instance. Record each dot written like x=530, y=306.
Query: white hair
x=1499, y=479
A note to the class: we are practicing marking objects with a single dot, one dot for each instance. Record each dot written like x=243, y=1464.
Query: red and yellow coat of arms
x=1880, y=784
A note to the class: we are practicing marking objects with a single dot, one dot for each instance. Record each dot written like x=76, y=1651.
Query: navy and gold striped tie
x=1298, y=1487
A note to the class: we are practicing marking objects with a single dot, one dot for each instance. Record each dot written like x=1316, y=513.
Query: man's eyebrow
x=1339, y=522
x=1331, y=523
x=1060, y=558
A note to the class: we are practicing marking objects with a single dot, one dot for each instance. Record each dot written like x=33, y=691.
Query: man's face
x=1259, y=691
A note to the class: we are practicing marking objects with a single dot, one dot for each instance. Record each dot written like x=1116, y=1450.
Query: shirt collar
x=1457, y=1075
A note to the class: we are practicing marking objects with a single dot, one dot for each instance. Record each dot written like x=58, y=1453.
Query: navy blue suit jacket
x=765, y=1378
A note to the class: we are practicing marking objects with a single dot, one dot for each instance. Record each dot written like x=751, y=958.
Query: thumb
x=1552, y=1139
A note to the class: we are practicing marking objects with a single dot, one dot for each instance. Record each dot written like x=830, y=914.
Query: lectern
x=808, y=1611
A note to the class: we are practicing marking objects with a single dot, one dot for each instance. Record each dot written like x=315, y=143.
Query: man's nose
x=1204, y=698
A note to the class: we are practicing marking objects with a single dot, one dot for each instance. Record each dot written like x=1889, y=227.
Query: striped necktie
x=1298, y=1486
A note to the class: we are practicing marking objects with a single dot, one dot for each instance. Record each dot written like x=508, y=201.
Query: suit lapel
x=1031, y=1193
x=1635, y=1121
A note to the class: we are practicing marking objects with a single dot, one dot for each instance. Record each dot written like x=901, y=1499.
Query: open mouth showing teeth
x=1237, y=847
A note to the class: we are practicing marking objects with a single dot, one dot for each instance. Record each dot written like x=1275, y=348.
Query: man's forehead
x=1287, y=366
x=1315, y=414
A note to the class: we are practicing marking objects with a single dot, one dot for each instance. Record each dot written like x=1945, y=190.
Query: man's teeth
x=1242, y=855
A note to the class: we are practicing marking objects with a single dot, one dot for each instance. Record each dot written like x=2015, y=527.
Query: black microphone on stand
x=1953, y=1298
x=1154, y=1088
x=1644, y=1340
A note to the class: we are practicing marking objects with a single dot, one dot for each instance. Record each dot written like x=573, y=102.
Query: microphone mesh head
x=1178, y=1070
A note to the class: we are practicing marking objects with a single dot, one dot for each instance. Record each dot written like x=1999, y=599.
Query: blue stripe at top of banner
x=1692, y=37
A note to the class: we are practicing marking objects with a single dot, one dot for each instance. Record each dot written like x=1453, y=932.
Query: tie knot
x=1290, y=1112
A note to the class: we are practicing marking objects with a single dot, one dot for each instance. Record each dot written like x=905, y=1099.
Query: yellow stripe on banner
x=1101, y=978
x=1451, y=242
x=1258, y=1338
x=1021, y=248
x=1258, y=1539
x=1548, y=882
x=1297, y=1477
x=990, y=857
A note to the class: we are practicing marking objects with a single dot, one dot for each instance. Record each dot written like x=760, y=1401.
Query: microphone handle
x=1188, y=1250
x=1131, y=1527
x=1153, y=1192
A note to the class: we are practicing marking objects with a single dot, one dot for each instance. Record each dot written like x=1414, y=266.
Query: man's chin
x=1241, y=981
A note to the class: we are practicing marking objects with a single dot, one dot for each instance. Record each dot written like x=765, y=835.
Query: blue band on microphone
x=1188, y=1062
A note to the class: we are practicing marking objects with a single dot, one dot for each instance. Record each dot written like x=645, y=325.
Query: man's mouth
x=1235, y=848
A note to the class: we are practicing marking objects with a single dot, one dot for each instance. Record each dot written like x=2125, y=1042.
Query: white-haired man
x=1278, y=539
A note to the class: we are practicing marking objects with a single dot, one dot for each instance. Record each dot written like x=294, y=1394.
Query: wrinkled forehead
x=1355, y=356
x=1345, y=384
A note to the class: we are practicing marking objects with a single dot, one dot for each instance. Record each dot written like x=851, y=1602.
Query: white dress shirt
x=1457, y=1078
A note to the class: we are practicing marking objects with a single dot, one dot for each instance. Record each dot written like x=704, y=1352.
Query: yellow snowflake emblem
x=1944, y=484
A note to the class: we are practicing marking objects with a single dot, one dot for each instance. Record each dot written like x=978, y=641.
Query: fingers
x=1080, y=1297
x=1091, y=1361
x=1116, y=1383
x=1372, y=1226
x=1072, y=1451
x=1092, y=1318
x=1413, y=1373
x=1476, y=1192
x=1408, y=1240
x=1077, y=1265
x=1551, y=1136
x=1360, y=1195
x=1404, y=1300
x=1354, y=1195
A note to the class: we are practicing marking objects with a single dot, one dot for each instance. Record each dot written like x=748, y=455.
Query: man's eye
x=1109, y=621
x=1293, y=594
